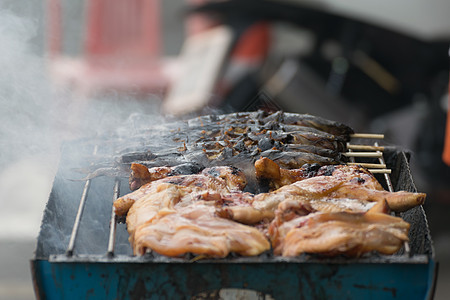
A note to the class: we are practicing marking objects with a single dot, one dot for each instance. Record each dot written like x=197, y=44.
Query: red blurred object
x=446, y=153
x=248, y=55
x=121, y=50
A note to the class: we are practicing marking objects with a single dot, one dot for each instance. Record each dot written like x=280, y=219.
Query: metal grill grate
x=365, y=156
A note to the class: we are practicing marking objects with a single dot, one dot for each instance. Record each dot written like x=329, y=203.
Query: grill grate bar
x=381, y=168
x=374, y=168
x=76, y=225
x=391, y=189
x=112, y=222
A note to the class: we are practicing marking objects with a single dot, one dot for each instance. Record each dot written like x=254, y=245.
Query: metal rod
x=76, y=225
x=386, y=175
x=391, y=189
x=112, y=222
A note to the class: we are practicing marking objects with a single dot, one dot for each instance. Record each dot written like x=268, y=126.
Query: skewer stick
x=363, y=154
x=386, y=175
x=380, y=171
x=367, y=165
x=367, y=135
x=365, y=147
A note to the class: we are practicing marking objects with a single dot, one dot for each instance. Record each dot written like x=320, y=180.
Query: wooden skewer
x=365, y=147
x=367, y=135
x=380, y=171
x=367, y=165
x=363, y=154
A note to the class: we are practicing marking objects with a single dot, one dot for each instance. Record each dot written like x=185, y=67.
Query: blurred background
x=76, y=68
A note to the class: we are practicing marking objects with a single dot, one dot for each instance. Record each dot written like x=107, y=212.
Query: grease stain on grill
x=391, y=290
x=139, y=291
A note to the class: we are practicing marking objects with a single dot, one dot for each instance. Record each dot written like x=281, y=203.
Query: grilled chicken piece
x=269, y=173
x=399, y=201
x=333, y=189
x=350, y=234
x=196, y=229
x=141, y=175
x=177, y=215
x=162, y=196
x=220, y=179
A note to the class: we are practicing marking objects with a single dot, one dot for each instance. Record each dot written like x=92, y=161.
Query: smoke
x=24, y=130
x=36, y=118
x=23, y=89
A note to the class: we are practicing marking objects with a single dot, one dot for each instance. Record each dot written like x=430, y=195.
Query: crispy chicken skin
x=196, y=229
x=221, y=179
x=334, y=181
x=351, y=234
x=141, y=175
x=177, y=215
x=329, y=210
x=174, y=220
x=324, y=194
x=270, y=172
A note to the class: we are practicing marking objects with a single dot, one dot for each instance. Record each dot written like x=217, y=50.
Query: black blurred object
x=362, y=67
x=409, y=66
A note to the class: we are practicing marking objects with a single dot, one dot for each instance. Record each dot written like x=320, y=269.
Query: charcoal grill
x=83, y=251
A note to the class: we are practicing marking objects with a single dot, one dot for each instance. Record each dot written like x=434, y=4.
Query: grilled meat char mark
x=251, y=132
x=261, y=118
x=177, y=215
x=277, y=119
x=400, y=201
x=294, y=160
x=141, y=174
x=220, y=138
x=270, y=174
x=333, y=127
x=344, y=189
x=223, y=179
